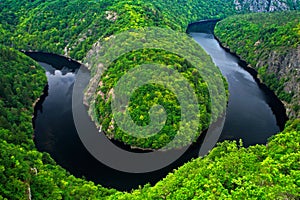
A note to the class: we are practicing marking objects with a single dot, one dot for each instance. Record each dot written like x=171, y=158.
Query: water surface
x=250, y=115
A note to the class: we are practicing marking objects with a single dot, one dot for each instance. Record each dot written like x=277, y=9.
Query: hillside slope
x=72, y=27
x=270, y=43
x=233, y=172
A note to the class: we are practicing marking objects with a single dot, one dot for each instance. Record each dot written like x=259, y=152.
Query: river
x=252, y=108
x=253, y=114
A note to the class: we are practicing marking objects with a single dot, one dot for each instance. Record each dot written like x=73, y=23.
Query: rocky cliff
x=286, y=68
x=266, y=5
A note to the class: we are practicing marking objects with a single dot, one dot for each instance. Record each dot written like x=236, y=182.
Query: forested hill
x=70, y=27
x=271, y=44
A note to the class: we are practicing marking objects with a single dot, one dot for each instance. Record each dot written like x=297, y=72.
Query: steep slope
x=266, y=5
x=22, y=82
x=270, y=43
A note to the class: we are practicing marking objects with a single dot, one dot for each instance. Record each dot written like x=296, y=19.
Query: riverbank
x=251, y=108
x=268, y=50
x=281, y=105
x=57, y=135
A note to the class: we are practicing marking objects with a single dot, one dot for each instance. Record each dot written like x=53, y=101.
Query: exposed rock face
x=286, y=67
x=111, y=15
x=264, y=5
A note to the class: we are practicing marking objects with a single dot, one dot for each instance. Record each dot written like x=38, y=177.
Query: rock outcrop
x=286, y=67
x=265, y=5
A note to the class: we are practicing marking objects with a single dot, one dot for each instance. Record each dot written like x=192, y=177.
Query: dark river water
x=253, y=115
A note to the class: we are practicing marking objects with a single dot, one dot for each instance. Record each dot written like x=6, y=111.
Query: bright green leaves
x=149, y=95
x=231, y=171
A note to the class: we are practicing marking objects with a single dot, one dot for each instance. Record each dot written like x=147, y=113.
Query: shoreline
x=253, y=72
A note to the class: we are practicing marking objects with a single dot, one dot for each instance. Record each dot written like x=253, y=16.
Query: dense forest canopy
x=144, y=98
x=71, y=28
x=231, y=171
x=20, y=84
x=199, y=71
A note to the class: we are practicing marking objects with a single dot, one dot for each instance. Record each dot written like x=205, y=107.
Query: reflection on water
x=249, y=114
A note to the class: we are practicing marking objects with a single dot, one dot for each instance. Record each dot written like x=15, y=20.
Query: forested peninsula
x=72, y=28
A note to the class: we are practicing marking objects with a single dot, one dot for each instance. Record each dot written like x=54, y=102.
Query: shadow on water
x=203, y=26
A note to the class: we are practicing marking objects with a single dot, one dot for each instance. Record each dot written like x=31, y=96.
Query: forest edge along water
x=56, y=134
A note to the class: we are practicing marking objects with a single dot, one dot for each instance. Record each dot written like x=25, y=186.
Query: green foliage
x=22, y=168
x=231, y=171
x=69, y=27
x=72, y=27
x=260, y=33
x=21, y=82
x=149, y=95
x=258, y=38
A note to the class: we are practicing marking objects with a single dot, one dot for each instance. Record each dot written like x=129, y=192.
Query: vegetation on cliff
x=231, y=171
x=270, y=43
x=22, y=81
